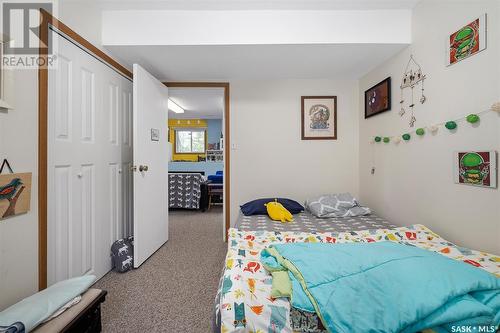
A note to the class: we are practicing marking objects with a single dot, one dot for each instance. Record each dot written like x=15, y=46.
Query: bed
x=243, y=302
x=185, y=190
x=307, y=222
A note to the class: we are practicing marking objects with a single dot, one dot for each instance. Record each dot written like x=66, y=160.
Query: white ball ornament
x=496, y=107
x=433, y=128
x=396, y=139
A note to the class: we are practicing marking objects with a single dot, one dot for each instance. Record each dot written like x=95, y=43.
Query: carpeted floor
x=174, y=290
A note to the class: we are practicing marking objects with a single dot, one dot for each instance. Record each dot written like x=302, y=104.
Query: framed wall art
x=319, y=118
x=467, y=41
x=476, y=168
x=15, y=194
x=378, y=98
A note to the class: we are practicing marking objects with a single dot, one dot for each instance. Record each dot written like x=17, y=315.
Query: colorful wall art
x=467, y=41
x=477, y=168
x=15, y=194
x=319, y=118
x=378, y=98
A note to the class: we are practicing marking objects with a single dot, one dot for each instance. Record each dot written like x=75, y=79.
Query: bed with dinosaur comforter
x=244, y=302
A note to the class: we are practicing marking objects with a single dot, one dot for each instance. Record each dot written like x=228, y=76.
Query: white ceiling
x=248, y=62
x=204, y=103
x=253, y=4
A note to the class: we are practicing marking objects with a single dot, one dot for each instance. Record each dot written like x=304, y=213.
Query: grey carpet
x=174, y=290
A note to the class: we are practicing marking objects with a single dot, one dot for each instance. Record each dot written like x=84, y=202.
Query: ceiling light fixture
x=174, y=107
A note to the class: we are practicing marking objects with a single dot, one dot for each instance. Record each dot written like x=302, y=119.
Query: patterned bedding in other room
x=184, y=190
x=243, y=302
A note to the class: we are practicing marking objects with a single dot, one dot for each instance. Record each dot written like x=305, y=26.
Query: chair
x=215, y=188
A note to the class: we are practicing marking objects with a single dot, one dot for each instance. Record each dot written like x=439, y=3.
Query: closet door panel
x=89, y=144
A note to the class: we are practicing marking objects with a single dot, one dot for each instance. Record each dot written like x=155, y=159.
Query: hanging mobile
x=412, y=76
x=412, y=105
x=402, y=110
x=423, y=98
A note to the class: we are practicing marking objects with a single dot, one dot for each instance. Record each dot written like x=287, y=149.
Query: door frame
x=227, y=138
x=47, y=20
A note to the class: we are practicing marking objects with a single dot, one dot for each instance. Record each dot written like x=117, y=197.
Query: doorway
x=224, y=145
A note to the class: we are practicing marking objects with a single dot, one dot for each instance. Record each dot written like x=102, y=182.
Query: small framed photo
x=467, y=41
x=319, y=118
x=155, y=134
x=476, y=168
x=378, y=98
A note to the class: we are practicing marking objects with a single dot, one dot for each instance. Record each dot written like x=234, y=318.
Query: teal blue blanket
x=386, y=287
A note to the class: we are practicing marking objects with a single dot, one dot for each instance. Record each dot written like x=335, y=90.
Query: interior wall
x=214, y=130
x=19, y=144
x=268, y=157
x=413, y=182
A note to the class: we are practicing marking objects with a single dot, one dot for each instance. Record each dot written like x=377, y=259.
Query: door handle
x=143, y=168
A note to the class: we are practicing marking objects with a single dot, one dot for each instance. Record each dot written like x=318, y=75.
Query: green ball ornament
x=451, y=125
x=420, y=131
x=472, y=118
x=378, y=139
x=406, y=137
x=387, y=139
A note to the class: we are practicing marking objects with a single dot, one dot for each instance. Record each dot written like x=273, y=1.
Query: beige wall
x=270, y=158
x=413, y=182
x=19, y=234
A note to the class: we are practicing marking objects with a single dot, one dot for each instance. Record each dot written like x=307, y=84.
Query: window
x=189, y=141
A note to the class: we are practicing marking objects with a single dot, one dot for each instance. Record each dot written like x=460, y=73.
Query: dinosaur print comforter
x=243, y=303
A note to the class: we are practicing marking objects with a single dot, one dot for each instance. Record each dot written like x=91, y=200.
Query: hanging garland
x=451, y=125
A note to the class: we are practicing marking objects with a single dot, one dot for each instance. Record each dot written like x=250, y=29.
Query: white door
x=89, y=158
x=150, y=98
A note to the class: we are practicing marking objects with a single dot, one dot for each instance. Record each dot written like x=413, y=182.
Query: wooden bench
x=84, y=317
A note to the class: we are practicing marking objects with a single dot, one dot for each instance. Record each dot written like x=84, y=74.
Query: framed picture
x=378, y=98
x=319, y=118
x=15, y=194
x=467, y=41
x=476, y=168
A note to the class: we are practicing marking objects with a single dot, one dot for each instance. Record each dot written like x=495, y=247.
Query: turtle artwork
x=476, y=168
x=467, y=41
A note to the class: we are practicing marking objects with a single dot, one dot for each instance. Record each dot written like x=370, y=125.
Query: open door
x=150, y=168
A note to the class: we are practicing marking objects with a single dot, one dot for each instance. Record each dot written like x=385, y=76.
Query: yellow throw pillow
x=277, y=212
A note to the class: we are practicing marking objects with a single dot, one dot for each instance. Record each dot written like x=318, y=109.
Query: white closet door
x=89, y=200
x=151, y=161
